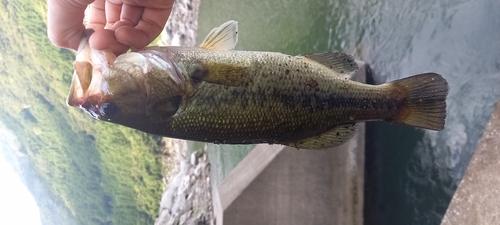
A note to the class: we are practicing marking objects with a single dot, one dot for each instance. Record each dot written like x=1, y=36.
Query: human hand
x=118, y=24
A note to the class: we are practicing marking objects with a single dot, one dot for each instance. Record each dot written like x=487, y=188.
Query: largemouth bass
x=219, y=95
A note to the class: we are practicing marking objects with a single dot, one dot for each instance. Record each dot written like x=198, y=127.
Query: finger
x=105, y=40
x=148, y=28
x=97, y=20
x=113, y=11
x=102, y=39
x=65, y=22
x=131, y=37
x=97, y=15
x=158, y=4
x=131, y=14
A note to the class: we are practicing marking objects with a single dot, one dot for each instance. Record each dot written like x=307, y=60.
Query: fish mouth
x=88, y=83
x=91, y=105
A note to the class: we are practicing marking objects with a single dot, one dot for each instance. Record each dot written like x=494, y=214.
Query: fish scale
x=284, y=115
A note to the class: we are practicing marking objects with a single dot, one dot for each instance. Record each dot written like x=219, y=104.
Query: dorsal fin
x=223, y=37
x=339, y=62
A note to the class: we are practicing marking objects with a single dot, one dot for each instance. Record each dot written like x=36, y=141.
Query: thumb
x=65, y=22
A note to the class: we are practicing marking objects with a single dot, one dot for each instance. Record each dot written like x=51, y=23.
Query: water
x=411, y=174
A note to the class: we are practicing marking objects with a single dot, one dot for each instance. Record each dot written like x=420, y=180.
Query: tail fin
x=425, y=102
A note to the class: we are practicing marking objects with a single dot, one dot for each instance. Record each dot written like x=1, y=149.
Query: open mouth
x=88, y=83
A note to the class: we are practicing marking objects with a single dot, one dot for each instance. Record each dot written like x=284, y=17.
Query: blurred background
x=83, y=171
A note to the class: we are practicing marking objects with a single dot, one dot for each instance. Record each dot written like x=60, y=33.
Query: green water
x=411, y=174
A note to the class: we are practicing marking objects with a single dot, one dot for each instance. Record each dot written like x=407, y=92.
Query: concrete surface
x=477, y=199
x=276, y=184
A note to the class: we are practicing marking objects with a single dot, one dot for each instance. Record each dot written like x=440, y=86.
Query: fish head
x=134, y=89
x=115, y=96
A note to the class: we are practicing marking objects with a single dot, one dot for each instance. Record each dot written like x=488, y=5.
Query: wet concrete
x=477, y=199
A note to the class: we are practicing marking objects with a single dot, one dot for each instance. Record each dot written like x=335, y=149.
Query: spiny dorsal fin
x=223, y=37
x=339, y=62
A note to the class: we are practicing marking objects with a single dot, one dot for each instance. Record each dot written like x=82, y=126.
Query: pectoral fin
x=223, y=37
x=340, y=63
x=331, y=138
x=225, y=74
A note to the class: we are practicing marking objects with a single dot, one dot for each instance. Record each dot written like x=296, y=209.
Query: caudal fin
x=425, y=104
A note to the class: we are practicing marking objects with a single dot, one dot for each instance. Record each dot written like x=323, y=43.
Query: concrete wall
x=477, y=199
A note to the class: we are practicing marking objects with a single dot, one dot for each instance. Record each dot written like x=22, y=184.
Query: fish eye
x=108, y=109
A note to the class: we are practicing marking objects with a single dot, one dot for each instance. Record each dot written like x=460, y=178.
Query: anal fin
x=334, y=137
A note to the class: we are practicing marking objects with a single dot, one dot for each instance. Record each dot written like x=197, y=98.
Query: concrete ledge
x=276, y=184
x=477, y=199
x=241, y=177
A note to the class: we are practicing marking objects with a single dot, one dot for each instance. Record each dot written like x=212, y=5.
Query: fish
x=213, y=93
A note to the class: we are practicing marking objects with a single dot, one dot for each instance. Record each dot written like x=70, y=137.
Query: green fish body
x=215, y=94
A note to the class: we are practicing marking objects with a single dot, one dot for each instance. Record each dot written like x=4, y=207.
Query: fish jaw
x=91, y=105
x=135, y=86
x=90, y=66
